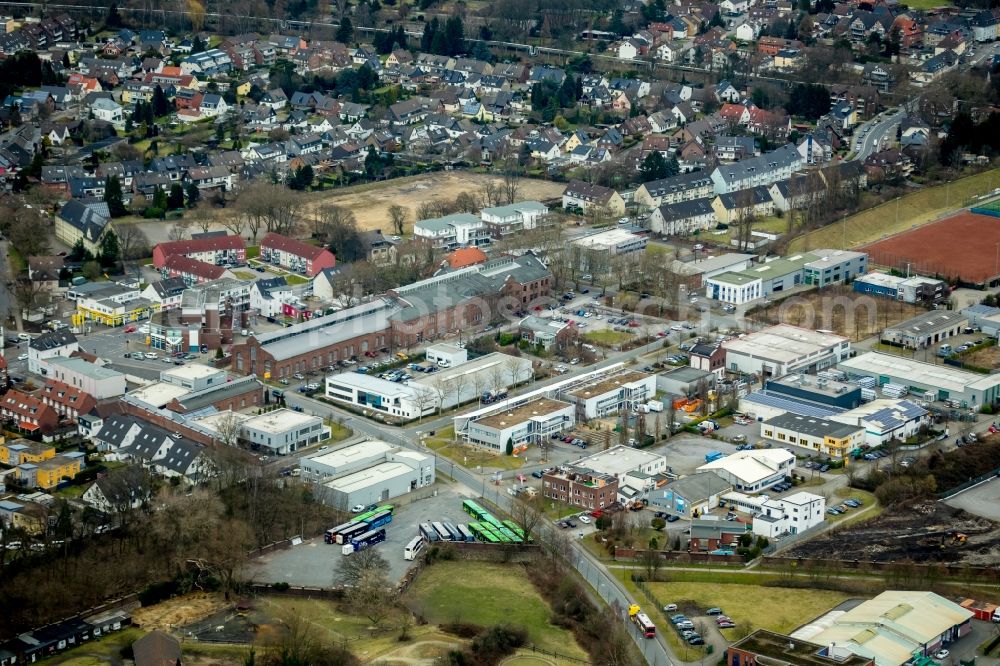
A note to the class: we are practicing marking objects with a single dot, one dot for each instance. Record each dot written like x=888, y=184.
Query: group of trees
x=447, y=39
x=967, y=135
x=550, y=97
x=385, y=42
x=808, y=100
x=265, y=206
x=655, y=166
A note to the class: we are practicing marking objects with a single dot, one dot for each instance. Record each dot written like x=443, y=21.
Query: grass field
x=607, y=337
x=443, y=444
x=913, y=210
x=488, y=594
x=775, y=608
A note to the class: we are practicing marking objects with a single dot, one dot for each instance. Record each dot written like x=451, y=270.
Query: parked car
x=715, y=610
x=669, y=608
x=536, y=474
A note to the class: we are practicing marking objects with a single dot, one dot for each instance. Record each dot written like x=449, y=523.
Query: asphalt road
x=879, y=131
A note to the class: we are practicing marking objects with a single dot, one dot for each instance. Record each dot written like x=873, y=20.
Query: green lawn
x=338, y=431
x=774, y=608
x=293, y=279
x=245, y=275
x=253, y=252
x=913, y=209
x=488, y=594
x=97, y=653
x=926, y=4
x=443, y=444
x=607, y=337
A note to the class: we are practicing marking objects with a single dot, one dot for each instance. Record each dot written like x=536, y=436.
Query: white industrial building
x=96, y=380
x=817, y=435
x=524, y=424
x=926, y=380
x=619, y=461
x=447, y=355
x=284, y=431
x=789, y=515
x=886, y=419
x=611, y=242
x=753, y=471
x=194, y=376
x=443, y=389
x=779, y=350
x=366, y=473
x=609, y=395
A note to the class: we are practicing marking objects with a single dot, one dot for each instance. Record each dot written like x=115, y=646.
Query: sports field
x=912, y=210
x=965, y=246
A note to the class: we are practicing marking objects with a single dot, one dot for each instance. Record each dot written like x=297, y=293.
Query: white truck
x=655, y=406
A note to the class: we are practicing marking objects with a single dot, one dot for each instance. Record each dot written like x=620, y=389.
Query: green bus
x=516, y=529
x=474, y=510
x=483, y=535
x=368, y=514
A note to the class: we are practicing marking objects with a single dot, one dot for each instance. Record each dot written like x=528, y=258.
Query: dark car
x=570, y=523
x=824, y=468
x=672, y=518
x=536, y=474
x=696, y=640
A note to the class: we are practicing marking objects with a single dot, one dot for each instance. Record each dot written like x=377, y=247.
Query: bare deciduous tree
x=398, y=215
x=132, y=241
x=179, y=230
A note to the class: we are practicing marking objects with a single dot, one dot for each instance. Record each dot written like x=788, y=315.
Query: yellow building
x=110, y=312
x=243, y=89
x=24, y=451
x=50, y=472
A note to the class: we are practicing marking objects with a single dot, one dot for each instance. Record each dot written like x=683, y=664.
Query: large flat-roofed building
x=317, y=343
x=610, y=243
x=927, y=380
x=782, y=349
x=527, y=424
x=91, y=378
x=760, y=280
x=700, y=270
x=444, y=389
x=619, y=461
x=835, y=267
x=753, y=471
x=283, y=431
x=926, y=329
x=768, y=647
x=609, y=395
x=914, y=289
x=193, y=376
x=366, y=473
x=892, y=629
x=816, y=389
x=824, y=436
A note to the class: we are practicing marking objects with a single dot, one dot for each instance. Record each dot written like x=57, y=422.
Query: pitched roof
x=203, y=244
x=292, y=246
x=182, y=264
x=465, y=256
x=84, y=218
x=53, y=340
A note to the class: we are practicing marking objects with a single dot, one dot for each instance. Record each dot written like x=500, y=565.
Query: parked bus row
x=365, y=522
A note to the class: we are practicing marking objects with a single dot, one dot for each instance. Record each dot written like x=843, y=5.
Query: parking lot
x=314, y=563
x=685, y=453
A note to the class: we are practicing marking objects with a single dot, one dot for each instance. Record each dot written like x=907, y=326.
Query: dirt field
x=961, y=246
x=919, y=534
x=178, y=611
x=893, y=217
x=370, y=202
x=839, y=309
x=987, y=357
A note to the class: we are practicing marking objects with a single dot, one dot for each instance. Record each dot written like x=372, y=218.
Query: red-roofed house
x=295, y=255
x=735, y=114
x=192, y=271
x=68, y=401
x=464, y=256
x=216, y=250
x=28, y=412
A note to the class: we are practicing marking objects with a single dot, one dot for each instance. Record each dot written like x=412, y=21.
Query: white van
x=944, y=350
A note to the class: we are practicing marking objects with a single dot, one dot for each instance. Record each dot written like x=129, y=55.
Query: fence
x=681, y=557
x=557, y=655
x=297, y=591
x=951, y=492
x=926, y=571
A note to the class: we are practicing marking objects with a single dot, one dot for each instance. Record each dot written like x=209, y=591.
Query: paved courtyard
x=983, y=500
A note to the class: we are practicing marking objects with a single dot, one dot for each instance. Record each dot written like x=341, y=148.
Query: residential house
x=584, y=197
x=295, y=255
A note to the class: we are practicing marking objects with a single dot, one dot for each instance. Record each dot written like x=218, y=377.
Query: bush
x=281, y=586
x=505, y=339
x=153, y=213
x=657, y=523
